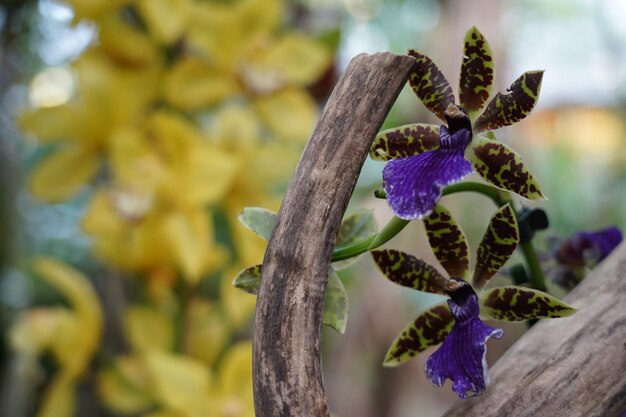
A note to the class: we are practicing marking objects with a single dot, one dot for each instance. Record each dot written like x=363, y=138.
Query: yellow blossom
x=72, y=335
x=109, y=97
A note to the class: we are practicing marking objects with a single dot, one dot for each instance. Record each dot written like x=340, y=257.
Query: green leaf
x=516, y=304
x=429, y=328
x=497, y=245
x=249, y=279
x=355, y=227
x=335, y=312
x=403, y=141
x=477, y=72
x=408, y=271
x=448, y=242
x=512, y=106
x=430, y=85
x=335, y=299
x=503, y=167
x=259, y=220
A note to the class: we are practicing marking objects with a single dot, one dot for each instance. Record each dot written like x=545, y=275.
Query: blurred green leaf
x=357, y=226
x=259, y=220
x=249, y=279
x=335, y=299
x=335, y=304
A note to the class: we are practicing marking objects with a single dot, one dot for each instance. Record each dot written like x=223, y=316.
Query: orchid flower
x=424, y=158
x=570, y=260
x=456, y=323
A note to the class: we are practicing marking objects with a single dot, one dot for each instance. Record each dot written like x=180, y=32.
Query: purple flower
x=413, y=184
x=583, y=248
x=462, y=355
x=424, y=158
x=455, y=323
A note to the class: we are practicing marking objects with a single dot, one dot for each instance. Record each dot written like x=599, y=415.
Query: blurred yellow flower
x=232, y=393
x=179, y=385
x=184, y=112
x=109, y=97
x=154, y=242
x=71, y=334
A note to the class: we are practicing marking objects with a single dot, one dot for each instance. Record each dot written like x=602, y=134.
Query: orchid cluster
x=422, y=160
x=423, y=163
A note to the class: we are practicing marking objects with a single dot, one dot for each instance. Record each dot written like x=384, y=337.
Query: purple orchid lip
x=414, y=184
x=462, y=355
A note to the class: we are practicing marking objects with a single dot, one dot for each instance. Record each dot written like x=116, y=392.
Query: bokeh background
x=133, y=132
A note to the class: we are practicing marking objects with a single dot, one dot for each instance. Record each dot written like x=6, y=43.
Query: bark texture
x=287, y=359
x=574, y=366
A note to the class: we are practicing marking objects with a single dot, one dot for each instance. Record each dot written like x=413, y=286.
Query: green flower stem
x=476, y=187
x=532, y=262
x=396, y=224
x=392, y=228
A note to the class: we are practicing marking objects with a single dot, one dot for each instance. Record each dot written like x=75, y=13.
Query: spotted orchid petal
x=516, y=304
x=430, y=85
x=409, y=271
x=448, y=242
x=512, y=106
x=404, y=141
x=502, y=167
x=429, y=328
x=477, y=72
x=413, y=185
x=462, y=355
x=497, y=245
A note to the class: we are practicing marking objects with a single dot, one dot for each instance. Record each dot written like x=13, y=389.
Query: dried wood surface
x=574, y=366
x=287, y=359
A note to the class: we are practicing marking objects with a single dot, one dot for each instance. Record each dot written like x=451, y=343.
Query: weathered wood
x=574, y=366
x=287, y=359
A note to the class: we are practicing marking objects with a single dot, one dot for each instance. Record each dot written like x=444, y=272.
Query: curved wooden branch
x=574, y=366
x=287, y=359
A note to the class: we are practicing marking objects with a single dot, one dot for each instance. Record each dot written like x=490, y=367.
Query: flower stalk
x=396, y=224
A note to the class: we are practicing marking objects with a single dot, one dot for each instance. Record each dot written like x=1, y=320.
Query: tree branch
x=287, y=359
x=571, y=366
